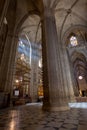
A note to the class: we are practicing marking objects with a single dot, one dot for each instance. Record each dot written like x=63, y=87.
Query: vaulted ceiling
x=68, y=14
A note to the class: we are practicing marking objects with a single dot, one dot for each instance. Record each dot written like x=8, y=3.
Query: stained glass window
x=73, y=41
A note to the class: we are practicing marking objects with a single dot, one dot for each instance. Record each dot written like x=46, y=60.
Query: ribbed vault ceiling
x=68, y=13
x=32, y=26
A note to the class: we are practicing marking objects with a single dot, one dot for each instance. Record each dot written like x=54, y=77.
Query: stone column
x=7, y=60
x=3, y=10
x=66, y=72
x=56, y=93
x=3, y=24
x=74, y=79
x=11, y=64
x=7, y=67
x=34, y=73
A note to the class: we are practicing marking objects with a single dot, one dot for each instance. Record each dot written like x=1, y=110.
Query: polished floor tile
x=31, y=117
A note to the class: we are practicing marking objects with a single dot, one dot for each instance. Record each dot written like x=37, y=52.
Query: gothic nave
x=43, y=64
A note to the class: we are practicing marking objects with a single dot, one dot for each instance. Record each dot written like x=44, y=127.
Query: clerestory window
x=73, y=41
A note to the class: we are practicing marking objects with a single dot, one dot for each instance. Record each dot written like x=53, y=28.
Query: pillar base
x=55, y=108
x=72, y=99
x=4, y=100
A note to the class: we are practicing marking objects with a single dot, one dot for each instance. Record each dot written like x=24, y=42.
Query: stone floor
x=31, y=117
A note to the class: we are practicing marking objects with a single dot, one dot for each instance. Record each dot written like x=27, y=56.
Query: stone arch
x=21, y=21
x=80, y=32
x=19, y=31
x=71, y=30
x=77, y=54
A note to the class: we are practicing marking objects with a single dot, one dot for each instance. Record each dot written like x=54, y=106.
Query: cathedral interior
x=43, y=64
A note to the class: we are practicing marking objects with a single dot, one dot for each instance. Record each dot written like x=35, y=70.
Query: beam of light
x=30, y=47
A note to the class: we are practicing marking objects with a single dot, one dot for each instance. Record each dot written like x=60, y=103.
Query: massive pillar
x=56, y=93
x=7, y=67
x=3, y=25
x=7, y=58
